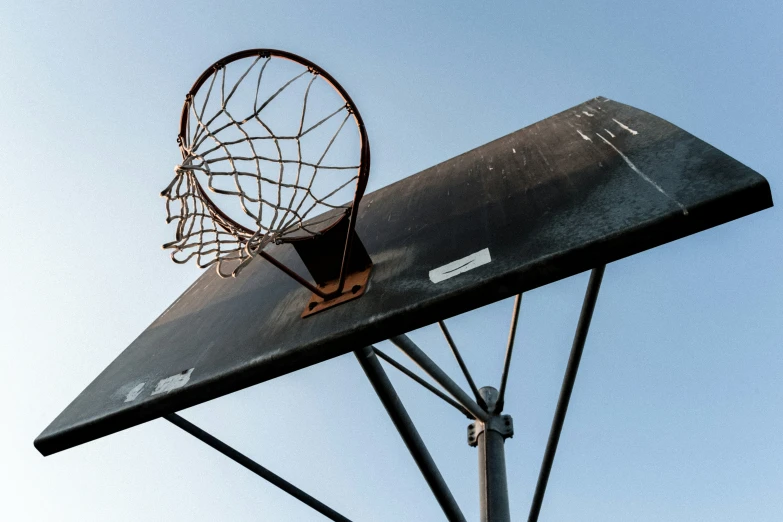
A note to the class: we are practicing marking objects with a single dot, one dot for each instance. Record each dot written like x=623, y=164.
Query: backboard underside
x=588, y=186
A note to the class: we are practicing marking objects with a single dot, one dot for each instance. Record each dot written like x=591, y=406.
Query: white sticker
x=172, y=383
x=460, y=266
x=134, y=392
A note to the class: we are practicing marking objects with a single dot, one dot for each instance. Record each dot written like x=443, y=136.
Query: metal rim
x=364, y=167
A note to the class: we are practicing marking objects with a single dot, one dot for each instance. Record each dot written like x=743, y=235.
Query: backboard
x=588, y=186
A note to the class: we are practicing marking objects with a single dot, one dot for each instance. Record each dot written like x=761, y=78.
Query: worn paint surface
x=133, y=394
x=547, y=202
x=173, y=382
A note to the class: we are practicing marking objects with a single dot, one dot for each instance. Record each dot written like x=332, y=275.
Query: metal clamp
x=502, y=424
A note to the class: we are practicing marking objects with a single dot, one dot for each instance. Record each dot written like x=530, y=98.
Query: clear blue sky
x=676, y=413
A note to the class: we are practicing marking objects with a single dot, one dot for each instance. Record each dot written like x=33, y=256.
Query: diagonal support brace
x=582, y=327
x=256, y=468
x=424, y=383
x=410, y=349
x=383, y=387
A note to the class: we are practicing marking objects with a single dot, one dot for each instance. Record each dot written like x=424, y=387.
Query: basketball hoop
x=270, y=137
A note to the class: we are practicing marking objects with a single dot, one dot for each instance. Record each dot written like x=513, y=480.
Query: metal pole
x=461, y=362
x=293, y=275
x=569, y=378
x=493, y=487
x=424, y=383
x=433, y=370
x=383, y=387
x=512, y=333
x=492, y=478
x=256, y=468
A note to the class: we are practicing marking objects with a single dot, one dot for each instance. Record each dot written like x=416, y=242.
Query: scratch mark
x=626, y=127
x=587, y=114
x=584, y=136
x=610, y=134
x=514, y=150
x=544, y=157
x=643, y=175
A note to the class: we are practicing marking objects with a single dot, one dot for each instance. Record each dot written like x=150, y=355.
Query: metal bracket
x=355, y=286
x=502, y=424
x=335, y=253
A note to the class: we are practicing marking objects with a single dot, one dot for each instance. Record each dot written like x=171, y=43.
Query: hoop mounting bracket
x=323, y=257
x=355, y=286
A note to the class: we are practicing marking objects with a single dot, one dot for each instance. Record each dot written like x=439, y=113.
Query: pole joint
x=502, y=424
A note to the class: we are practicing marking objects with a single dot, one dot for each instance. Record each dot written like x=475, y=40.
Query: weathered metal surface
x=583, y=188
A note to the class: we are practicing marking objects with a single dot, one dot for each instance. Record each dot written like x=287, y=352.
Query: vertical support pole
x=490, y=438
x=383, y=387
x=492, y=477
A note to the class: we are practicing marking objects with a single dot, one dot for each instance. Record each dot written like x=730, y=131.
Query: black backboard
x=588, y=186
